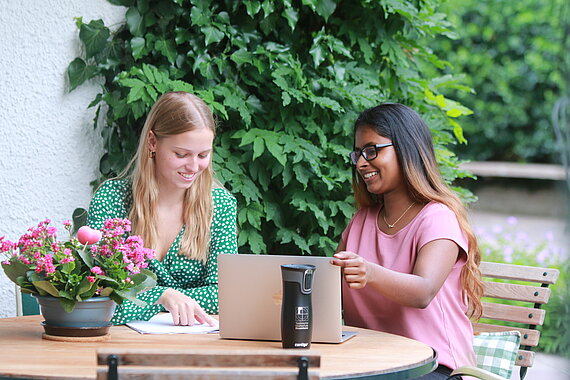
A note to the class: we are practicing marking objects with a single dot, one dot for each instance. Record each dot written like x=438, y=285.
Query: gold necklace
x=397, y=220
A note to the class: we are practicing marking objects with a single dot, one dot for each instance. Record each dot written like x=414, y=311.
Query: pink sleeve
x=441, y=223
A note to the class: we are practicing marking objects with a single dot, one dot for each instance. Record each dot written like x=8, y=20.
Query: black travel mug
x=296, y=309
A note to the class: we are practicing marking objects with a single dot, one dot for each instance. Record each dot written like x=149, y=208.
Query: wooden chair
x=25, y=303
x=533, y=293
x=117, y=363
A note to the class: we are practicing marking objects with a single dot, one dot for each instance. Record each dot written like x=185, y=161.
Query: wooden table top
x=370, y=354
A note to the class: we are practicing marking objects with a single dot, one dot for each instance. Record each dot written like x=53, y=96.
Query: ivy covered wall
x=286, y=80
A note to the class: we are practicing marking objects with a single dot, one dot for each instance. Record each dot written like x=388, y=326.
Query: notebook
x=250, y=295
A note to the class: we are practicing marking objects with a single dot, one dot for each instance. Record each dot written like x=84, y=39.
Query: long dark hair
x=414, y=149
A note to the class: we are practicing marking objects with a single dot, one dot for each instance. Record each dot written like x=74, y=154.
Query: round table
x=368, y=355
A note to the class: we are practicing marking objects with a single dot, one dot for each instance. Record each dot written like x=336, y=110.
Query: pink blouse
x=443, y=324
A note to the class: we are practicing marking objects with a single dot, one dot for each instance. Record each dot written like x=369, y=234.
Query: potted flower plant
x=69, y=278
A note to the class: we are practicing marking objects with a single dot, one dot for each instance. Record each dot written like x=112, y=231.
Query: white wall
x=49, y=151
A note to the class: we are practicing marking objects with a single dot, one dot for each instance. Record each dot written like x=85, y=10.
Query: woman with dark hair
x=409, y=257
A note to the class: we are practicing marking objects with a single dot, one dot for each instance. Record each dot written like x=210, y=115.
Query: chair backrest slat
x=516, y=292
x=528, y=337
x=510, y=313
x=205, y=373
x=525, y=358
x=207, y=364
x=205, y=358
x=519, y=272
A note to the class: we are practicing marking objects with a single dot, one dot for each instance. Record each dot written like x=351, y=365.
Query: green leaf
x=47, y=287
x=268, y=7
x=440, y=100
x=106, y=292
x=454, y=112
x=182, y=35
x=178, y=85
x=86, y=289
x=15, y=269
x=144, y=280
x=292, y=17
x=78, y=72
x=253, y=7
x=241, y=56
x=302, y=174
x=458, y=132
x=129, y=295
x=318, y=54
x=79, y=219
x=325, y=8
x=286, y=98
x=276, y=150
x=254, y=215
x=86, y=257
x=94, y=36
x=167, y=48
x=138, y=47
x=199, y=16
x=258, y=148
x=67, y=304
x=254, y=239
x=213, y=34
x=135, y=22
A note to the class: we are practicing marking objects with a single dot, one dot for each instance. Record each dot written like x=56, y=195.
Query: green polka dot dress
x=191, y=277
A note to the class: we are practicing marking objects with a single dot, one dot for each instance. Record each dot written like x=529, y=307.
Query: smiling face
x=382, y=175
x=181, y=158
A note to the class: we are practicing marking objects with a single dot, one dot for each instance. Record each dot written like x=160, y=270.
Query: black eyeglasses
x=368, y=152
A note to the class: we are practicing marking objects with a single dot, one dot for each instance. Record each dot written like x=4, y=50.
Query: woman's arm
x=434, y=262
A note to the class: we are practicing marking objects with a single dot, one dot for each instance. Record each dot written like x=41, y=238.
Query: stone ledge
x=515, y=170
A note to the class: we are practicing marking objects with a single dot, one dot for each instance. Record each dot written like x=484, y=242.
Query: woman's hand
x=183, y=309
x=355, y=269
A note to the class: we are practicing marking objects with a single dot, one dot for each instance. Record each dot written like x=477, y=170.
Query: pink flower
x=66, y=260
x=97, y=270
x=6, y=245
x=91, y=279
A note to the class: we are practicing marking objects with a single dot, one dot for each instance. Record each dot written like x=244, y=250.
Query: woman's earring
x=151, y=154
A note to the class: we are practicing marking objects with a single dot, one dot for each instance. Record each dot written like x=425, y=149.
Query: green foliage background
x=286, y=80
x=513, y=57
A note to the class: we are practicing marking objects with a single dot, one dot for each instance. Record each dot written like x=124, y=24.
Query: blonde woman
x=169, y=193
x=409, y=257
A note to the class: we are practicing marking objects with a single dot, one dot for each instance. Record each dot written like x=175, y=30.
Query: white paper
x=162, y=324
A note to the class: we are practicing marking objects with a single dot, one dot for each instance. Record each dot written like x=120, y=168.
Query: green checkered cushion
x=497, y=352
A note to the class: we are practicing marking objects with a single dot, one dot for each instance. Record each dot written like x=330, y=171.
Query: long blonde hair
x=172, y=114
x=414, y=148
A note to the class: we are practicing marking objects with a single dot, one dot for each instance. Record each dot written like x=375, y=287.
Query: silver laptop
x=250, y=296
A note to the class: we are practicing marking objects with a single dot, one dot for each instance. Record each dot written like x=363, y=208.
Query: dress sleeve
x=128, y=311
x=223, y=240
x=108, y=202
